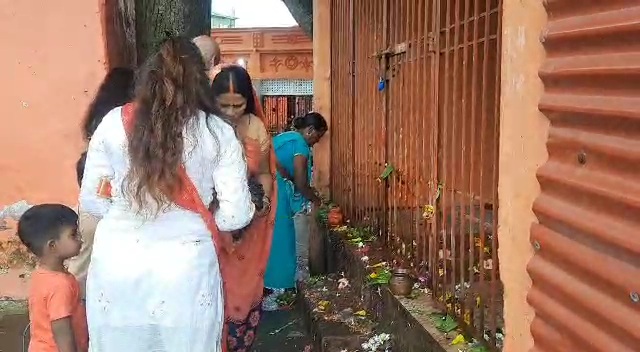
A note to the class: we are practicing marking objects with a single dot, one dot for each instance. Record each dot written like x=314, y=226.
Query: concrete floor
x=282, y=331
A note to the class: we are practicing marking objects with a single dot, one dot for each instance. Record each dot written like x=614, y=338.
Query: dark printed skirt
x=242, y=335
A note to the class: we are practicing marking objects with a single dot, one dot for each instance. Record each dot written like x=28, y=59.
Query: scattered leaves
x=381, y=276
x=361, y=313
x=458, y=340
x=444, y=323
x=322, y=306
x=286, y=299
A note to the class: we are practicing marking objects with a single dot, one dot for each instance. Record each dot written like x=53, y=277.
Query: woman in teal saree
x=289, y=256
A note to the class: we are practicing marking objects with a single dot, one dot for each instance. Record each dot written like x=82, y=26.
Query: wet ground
x=282, y=331
x=12, y=327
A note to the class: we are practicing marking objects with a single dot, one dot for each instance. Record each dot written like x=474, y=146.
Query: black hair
x=80, y=167
x=116, y=90
x=310, y=119
x=43, y=223
x=239, y=78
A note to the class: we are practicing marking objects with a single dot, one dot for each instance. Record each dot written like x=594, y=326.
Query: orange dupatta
x=188, y=198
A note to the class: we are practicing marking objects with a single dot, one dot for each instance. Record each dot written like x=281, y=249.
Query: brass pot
x=401, y=284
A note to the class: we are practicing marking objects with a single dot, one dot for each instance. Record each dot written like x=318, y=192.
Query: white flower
x=343, y=283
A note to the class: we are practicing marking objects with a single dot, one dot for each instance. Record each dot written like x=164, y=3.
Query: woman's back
x=286, y=146
x=154, y=282
x=208, y=143
x=157, y=274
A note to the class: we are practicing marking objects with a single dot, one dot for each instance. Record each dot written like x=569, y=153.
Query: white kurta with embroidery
x=154, y=283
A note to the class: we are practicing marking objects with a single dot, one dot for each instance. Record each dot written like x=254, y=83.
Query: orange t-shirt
x=55, y=295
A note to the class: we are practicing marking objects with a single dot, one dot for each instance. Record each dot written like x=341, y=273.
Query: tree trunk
x=302, y=12
x=158, y=19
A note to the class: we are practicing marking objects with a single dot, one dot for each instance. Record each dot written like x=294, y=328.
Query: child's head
x=50, y=230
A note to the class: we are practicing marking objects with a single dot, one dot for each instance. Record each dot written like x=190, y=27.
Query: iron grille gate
x=415, y=93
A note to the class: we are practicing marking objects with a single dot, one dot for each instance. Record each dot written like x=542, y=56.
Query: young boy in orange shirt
x=58, y=319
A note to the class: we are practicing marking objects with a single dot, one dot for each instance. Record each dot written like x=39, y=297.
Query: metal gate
x=415, y=107
x=280, y=110
x=586, y=269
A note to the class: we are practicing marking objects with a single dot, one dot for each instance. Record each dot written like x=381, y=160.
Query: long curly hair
x=171, y=89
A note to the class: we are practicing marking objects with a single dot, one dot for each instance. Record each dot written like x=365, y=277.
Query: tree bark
x=302, y=12
x=158, y=19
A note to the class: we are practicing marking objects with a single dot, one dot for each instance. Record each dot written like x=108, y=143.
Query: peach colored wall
x=52, y=62
x=523, y=134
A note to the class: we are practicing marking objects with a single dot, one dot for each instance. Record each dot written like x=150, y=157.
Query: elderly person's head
x=209, y=49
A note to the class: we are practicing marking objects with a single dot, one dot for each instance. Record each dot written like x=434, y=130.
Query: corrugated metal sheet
x=586, y=270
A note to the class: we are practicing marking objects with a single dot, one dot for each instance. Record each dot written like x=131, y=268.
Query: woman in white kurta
x=154, y=282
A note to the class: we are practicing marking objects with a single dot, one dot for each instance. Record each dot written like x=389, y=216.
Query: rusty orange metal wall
x=466, y=243
x=342, y=159
x=586, y=270
x=416, y=89
x=369, y=114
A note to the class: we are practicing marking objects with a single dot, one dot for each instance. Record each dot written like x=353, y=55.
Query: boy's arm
x=63, y=335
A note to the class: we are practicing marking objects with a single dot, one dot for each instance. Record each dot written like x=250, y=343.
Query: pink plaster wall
x=51, y=64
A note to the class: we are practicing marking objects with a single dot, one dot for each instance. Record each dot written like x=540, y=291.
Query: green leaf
x=479, y=349
x=388, y=170
x=446, y=324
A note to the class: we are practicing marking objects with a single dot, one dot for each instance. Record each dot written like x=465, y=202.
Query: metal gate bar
x=416, y=91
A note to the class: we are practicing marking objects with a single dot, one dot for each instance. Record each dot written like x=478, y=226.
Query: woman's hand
x=316, y=200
